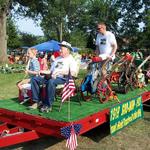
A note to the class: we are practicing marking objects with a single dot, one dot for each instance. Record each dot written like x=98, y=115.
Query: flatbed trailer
x=19, y=124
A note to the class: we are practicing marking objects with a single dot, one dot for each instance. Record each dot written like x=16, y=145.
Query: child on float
x=32, y=69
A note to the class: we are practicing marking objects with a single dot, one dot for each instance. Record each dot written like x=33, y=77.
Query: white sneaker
x=46, y=109
x=25, y=100
x=33, y=106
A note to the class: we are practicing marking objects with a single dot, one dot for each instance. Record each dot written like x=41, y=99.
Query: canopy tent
x=75, y=49
x=51, y=46
x=48, y=46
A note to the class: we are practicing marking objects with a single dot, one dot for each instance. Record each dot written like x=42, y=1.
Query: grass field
x=133, y=137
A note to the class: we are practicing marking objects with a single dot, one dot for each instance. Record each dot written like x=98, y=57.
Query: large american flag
x=69, y=88
x=71, y=132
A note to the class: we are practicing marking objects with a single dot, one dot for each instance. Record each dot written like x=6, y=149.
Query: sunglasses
x=99, y=28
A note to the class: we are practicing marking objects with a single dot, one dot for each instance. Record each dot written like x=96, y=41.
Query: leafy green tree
x=78, y=39
x=72, y=19
x=5, y=7
x=28, y=39
x=59, y=19
x=12, y=33
x=130, y=17
x=98, y=11
x=102, y=11
x=145, y=34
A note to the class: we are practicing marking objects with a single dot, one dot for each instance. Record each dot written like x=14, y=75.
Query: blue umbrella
x=48, y=46
x=75, y=49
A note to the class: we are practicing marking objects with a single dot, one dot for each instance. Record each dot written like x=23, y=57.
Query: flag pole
x=69, y=113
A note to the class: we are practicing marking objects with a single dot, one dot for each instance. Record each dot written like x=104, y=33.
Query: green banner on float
x=123, y=114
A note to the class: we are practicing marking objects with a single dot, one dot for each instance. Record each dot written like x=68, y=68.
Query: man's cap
x=65, y=44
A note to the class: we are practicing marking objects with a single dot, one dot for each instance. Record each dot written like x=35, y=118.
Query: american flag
x=69, y=88
x=71, y=133
x=72, y=141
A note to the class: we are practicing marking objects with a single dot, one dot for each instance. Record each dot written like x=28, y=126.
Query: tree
x=130, y=17
x=144, y=36
x=28, y=39
x=77, y=18
x=98, y=11
x=4, y=7
x=68, y=16
x=78, y=38
x=59, y=18
x=12, y=32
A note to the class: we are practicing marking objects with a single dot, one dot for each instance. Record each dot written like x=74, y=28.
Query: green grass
x=8, y=88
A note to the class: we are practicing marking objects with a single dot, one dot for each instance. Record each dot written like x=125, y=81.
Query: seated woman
x=32, y=69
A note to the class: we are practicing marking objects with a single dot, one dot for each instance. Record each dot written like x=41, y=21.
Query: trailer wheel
x=104, y=90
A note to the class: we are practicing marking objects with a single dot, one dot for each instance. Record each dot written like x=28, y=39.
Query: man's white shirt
x=105, y=42
x=62, y=65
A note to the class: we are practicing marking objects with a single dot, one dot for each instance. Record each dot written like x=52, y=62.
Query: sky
x=28, y=26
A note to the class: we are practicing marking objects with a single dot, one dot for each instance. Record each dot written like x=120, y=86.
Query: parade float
x=80, y=113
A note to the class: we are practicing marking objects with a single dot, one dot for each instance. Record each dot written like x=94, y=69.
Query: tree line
x=76, y=20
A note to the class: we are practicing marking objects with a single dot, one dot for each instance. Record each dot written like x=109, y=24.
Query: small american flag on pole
x=69, y=88
x=72, y=140
x=71, y=133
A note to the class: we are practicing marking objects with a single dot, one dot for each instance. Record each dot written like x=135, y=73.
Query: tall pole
x=61, y=31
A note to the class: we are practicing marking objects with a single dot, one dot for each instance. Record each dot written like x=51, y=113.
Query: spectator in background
x=24, y=58
x=11, y=58
x=83, y=57
x=138, y=54
x=54, y=56
x=43, y=61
